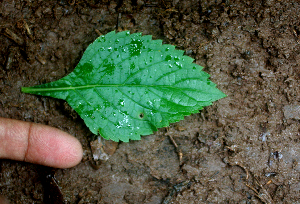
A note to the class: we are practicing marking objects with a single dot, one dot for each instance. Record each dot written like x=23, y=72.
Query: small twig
x=173, y=141
x=269, y=182
x=98, y=32
x=10, y=58
x=8, y=33
x=40, y=59
x=257, y=194
x=252, y=188
x=27, y=28
x=118, y=21
x=178, y=150
x=202, y=116
x=264, y=196
x=172, y=10
x=245, y=169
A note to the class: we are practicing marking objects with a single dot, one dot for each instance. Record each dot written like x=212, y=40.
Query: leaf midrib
x=46, y=89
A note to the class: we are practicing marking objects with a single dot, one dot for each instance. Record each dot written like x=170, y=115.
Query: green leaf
x=128, y=85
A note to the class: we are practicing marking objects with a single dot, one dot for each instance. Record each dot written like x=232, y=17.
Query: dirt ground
x=242, y=149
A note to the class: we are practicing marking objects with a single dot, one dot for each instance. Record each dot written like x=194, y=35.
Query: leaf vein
x=81, y=96
x=113, y=106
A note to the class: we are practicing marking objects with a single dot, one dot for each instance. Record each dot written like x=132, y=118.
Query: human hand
x=39, y=144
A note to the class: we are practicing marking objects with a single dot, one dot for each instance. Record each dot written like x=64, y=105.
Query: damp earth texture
x=243, y=148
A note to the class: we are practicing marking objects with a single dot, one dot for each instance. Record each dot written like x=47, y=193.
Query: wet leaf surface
x=128, y=85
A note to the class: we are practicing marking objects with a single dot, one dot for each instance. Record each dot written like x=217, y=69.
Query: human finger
x=39, y=144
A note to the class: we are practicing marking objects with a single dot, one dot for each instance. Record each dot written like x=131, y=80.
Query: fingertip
x=70, y=152
x=38, y=144
x=52, y=147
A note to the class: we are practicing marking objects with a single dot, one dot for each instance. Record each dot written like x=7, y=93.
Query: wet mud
x=242, y=149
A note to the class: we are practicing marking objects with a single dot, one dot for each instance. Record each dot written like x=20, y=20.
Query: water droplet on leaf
x=135, y=47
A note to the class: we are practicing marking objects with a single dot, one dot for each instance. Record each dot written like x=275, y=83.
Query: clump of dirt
x=244, y=148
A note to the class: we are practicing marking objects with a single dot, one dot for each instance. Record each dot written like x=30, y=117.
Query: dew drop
x=106, y=104
x=150, y=103
x=135, y=47
x=132, y=66
x=102, y=38
x=178, y=64
x=168, y=58
x=121, y=102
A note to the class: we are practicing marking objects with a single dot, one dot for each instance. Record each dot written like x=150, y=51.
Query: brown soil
x=243, y=149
